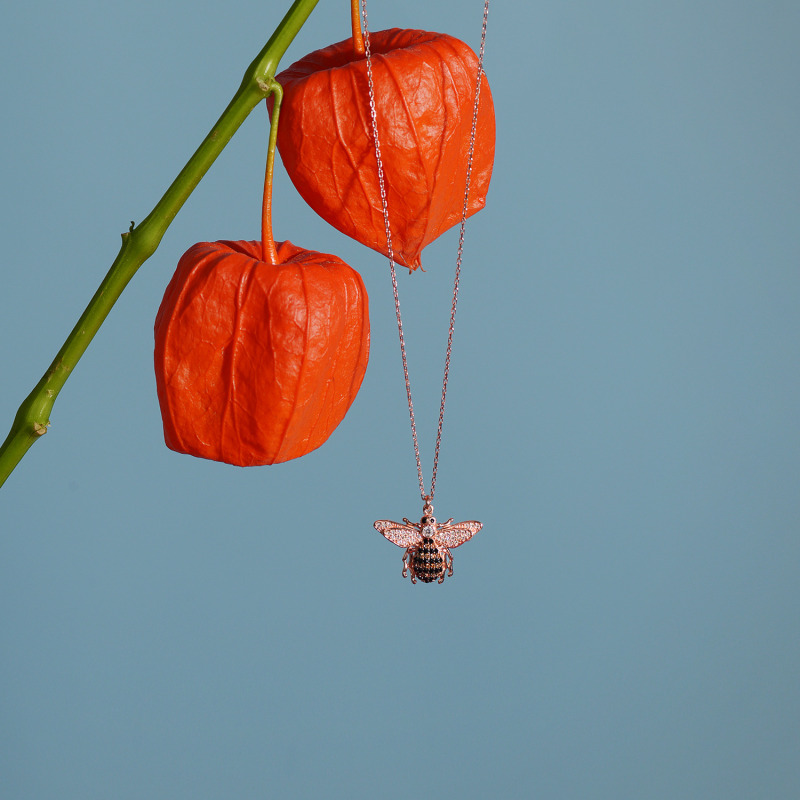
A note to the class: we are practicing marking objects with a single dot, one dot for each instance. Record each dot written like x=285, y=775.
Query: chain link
x=427, y=498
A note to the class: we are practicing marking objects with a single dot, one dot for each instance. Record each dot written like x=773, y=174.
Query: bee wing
x=398, y=533
x=453, y=535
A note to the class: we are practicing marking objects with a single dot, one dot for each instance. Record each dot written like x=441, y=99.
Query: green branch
x=141, y=241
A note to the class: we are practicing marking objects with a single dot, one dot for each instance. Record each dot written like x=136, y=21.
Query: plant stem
x=355, y=21
x=141, y=241
x=269, y=254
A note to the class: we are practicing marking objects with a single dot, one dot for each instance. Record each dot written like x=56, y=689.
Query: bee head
x=428, y=520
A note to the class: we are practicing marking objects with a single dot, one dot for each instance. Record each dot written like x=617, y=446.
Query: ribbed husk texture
x=258, y=363
x=424, y=95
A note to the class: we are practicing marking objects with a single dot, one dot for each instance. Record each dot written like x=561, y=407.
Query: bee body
x=427, y=563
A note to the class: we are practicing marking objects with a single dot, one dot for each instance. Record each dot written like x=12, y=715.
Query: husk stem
x=268, y=252
x=141, y=241
x=355, y=21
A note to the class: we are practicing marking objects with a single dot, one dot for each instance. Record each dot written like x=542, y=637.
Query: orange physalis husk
x=424, y=96
x=257, y=363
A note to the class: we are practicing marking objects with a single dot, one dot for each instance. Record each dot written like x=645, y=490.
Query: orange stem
x=269, y=253
x=355, y=19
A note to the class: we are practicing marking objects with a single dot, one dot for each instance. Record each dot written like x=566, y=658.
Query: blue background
x=623, y=418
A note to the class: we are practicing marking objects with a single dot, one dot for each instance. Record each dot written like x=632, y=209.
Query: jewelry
x=428, y=543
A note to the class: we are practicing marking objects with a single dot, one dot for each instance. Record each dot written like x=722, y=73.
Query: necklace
x=427, y=543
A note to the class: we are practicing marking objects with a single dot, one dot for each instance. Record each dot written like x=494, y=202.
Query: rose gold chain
x=427, y=498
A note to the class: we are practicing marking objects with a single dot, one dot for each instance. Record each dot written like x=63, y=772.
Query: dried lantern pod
x=257, y=363
x=424, y=96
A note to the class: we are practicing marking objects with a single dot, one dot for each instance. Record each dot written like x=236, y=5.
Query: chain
x=427, y=498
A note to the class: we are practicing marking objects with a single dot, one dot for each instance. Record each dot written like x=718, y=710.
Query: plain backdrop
x=623, y=418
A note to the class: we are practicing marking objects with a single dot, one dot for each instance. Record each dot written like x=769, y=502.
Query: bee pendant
x=428, y=543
